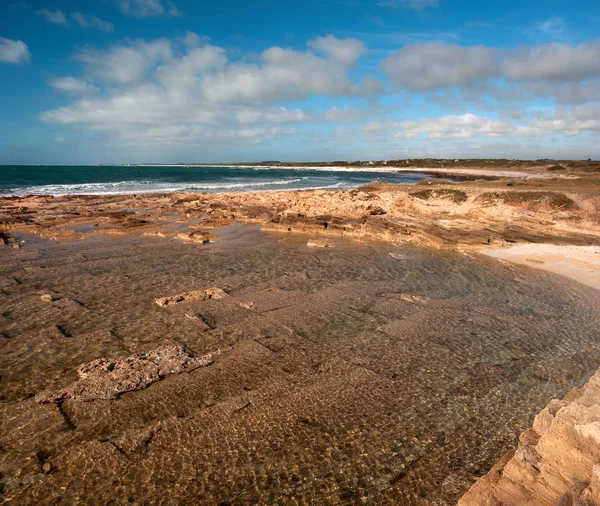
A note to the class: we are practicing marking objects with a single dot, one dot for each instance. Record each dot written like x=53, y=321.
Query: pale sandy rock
x=198, y=236
x=413, y=299
x=106, y=378
x=196, y=295
x=161, y=233
x=556, y=462
x=320, y=243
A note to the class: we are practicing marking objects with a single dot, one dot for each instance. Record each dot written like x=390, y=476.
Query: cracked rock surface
x=106, y=379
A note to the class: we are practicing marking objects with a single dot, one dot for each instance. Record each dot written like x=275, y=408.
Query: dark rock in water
x=106, y=378
x=6, y=238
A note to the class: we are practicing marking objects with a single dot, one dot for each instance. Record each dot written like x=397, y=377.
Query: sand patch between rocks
x=581, y=263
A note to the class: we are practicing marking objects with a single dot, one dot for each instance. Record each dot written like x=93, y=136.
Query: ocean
x=101, y=180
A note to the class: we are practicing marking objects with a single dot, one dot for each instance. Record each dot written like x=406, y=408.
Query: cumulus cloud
x=91, y=21
x=178, y=89
x=344, y=114
x=567, y=121
x=13, y=51
x=553, y=62
x=346, y=51
x=564, y=122
x=187, y=91
x=284, y=74
x=427, y=67
x=56, y=17
x=147, y=8
x=125, y=64
x=71, y=85
x=455, y=127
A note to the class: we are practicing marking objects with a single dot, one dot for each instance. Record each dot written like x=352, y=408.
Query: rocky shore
x=556, y=462
x=539, y=208
x=533, y=217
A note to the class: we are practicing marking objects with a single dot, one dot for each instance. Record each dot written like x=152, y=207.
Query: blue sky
x=120, y=81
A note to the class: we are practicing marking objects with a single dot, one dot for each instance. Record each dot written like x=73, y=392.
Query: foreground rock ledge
x=557, y=461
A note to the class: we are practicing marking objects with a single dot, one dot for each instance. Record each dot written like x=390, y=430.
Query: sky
x=177, y=81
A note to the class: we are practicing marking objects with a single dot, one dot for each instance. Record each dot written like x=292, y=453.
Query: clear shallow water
x=340, y=389
x=61, y=180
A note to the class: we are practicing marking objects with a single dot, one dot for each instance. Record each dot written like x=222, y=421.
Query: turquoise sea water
x=61, y=180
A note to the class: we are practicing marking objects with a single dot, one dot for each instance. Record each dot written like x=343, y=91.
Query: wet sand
x=355, y=374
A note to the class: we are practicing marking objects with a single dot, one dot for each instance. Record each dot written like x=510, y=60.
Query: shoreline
x=579, y=263
x=550, y=224
x=486, y=216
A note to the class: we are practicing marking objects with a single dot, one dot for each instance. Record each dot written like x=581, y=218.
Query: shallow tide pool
x=360, y=374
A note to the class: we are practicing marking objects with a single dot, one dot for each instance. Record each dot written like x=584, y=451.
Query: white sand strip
x=581, y=263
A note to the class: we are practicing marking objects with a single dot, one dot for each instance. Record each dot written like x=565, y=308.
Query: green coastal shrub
x=456, y=196
x=533, y=199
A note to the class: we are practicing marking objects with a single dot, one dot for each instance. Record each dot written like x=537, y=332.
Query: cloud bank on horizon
x=120, y=84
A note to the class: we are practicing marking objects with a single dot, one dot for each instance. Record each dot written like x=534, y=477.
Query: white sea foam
x=148, y=187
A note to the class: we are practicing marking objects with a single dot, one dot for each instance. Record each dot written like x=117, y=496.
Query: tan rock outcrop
x=196, y=295
x=198, y=236
x=320, y=243
x=106, y=378
x=557, y=461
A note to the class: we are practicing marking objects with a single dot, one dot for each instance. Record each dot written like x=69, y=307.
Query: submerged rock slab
x=199, y=237
x=106, y=378
x=320, y=243
x=196, y=295
x=556, y=462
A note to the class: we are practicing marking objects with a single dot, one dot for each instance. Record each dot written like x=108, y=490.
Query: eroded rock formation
x=208, y=293
x=106, y=378
x=557, y=461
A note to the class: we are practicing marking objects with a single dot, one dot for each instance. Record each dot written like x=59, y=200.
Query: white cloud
x=346, y=51
x=435, y=66
x=552, y=27
x=125, y=64
x=567, y=121
x=270, y=115
x=71, y=85
x=553, y=62
x=283, y=74
x=286, y=74
x=175, y=90
x=455, y=127
x=344, y=114
x=411, y=4
x=91, y=21
x=148, y=8
x=426, y=67
x=56, y=17
x=564, y=122
x=13, y=51
x=185, y=92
